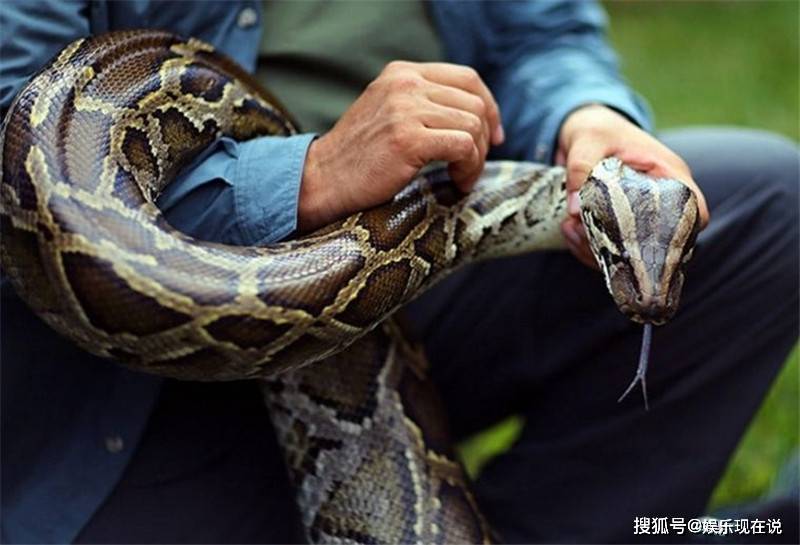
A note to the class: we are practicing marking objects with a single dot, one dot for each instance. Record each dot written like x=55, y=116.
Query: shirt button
x=114, y=444
x=247, y=18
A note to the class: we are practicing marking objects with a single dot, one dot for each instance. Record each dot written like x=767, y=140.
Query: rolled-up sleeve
x=243, y=193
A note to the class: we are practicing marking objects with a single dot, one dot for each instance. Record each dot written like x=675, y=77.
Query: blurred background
x=712, y=63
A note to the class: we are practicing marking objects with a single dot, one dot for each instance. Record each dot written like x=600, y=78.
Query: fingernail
x=573, y=203
x=499, y=134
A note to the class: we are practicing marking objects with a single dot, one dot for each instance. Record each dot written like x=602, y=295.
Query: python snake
x=92, y=140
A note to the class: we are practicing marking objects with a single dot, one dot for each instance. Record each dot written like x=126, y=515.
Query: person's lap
x=538, y=335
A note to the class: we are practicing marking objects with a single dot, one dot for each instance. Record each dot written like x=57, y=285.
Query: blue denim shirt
x=70, y=422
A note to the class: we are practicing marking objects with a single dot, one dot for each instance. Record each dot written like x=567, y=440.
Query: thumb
x=582, y=157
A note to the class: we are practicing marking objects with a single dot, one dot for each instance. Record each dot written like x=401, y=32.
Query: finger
x=445, y=117
x=561, y=157
x=467, y=79
x=573, y=204
x=447, y=95
x=702, y=206
x=465, y=173
x=577, y=243
x=457, y=148
x=579, y=253
x=582, y=256
x=664, y=163
x=453, y=97
x=582, y=157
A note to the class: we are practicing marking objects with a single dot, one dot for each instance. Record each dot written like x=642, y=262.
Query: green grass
x=710, y=63
x=732, y=63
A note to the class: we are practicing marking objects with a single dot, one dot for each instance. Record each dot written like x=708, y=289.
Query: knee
x=776, y=179
x=778, y=161
x=751, y=179
x=729, y=160
x=758, y=167
x=777, y=182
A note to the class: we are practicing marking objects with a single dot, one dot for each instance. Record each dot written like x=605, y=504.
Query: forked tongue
x=641, y=371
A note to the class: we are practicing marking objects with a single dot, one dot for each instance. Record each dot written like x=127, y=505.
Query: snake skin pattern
x=95, y=137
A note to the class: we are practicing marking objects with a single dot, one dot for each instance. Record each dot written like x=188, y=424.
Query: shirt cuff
x=621, y=100
x=266, y=186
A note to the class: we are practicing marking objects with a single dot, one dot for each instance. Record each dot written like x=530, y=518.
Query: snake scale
x=93, y=139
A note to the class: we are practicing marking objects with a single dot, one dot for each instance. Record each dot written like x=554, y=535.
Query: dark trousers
x=539, y=336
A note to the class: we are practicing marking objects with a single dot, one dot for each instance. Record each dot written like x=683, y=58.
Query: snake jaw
x=655, y=309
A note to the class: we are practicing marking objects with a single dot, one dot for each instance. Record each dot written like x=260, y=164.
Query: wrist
x=314, y=202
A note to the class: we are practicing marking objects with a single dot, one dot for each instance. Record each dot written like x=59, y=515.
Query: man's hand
x=591, y=133
x=412, y=114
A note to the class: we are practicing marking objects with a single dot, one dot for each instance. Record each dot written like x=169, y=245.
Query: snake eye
x=613, y=258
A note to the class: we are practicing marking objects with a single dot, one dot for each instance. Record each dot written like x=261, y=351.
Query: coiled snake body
x=92, y=140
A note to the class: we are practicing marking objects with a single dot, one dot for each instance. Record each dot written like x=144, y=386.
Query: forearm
x=243, y=193
x=551, y=58
x=533, y=131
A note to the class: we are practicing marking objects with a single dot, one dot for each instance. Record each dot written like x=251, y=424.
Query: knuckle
x=398, y=106
x=579, y=164
x=471, y=75
x=593, y=133
x=399, y=137
x=478, y=106
x=394, y=66
x=473, y=123
x=577, y=171
x=462, y=144
x=680, y=163
x=492, y=112
x=404, y=83
x=374, y=88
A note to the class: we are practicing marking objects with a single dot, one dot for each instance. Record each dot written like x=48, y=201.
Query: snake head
x=642, y=232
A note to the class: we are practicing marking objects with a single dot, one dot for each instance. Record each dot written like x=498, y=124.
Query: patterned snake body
x=93, y=139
